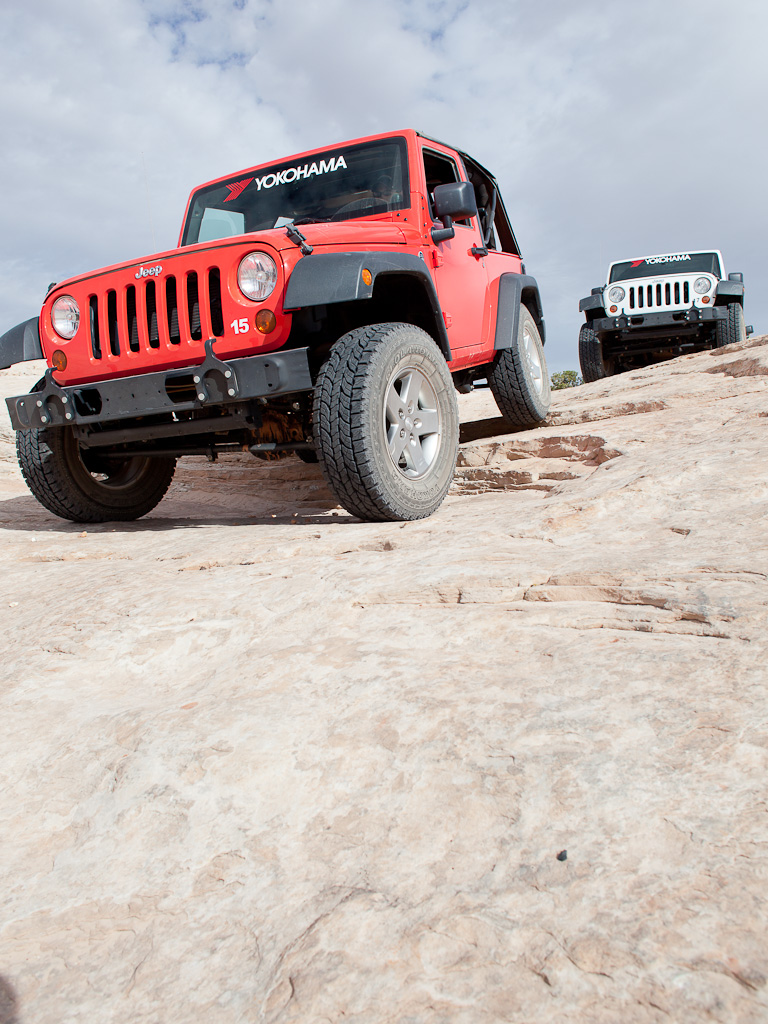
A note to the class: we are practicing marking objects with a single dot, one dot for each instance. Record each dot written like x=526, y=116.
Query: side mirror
x=750, y=329
x=456, y=199
x=735, y=277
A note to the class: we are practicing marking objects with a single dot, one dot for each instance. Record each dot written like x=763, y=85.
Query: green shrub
x=565, y=379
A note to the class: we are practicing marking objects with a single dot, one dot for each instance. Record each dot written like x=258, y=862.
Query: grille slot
x=93, y=321
x=172, y=311
x=114, y=340
x=150, y=296
x=214, y=302
x=193, y=306
x=130, y=318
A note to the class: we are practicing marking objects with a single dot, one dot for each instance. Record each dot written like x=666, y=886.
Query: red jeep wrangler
x=329, y=305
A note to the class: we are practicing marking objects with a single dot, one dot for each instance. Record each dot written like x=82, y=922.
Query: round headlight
x=65, y=317
x=702, y=285
x=257, y=276
x=616, y=294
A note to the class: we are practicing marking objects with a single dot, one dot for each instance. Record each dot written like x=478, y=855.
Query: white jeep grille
x=659, y=295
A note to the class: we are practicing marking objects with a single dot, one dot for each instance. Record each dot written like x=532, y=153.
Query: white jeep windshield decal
x=358, y=181
x=658, y=266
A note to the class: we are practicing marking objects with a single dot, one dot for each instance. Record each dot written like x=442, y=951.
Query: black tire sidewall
x=54, y=471
x=511, y=380
x=732, y=329
x=591, y=359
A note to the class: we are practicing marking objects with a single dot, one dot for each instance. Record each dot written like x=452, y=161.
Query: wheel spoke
x=415, y=455
x=396, y=444
x=430, y=421
x=394, y=404
x=412, y=385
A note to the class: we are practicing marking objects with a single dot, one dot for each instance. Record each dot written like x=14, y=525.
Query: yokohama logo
x=664, y=259
x=237, y=188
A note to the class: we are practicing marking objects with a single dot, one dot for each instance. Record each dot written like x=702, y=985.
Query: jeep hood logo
x=148, y=272
x=663, y=259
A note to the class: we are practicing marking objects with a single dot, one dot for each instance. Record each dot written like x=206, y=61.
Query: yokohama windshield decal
x=662, y=259
x=287, y=175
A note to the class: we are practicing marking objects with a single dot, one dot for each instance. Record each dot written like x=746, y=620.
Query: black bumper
x=679, y=321
x=211, y=383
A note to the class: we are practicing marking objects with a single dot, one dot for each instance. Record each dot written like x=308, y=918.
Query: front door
x=460, y=277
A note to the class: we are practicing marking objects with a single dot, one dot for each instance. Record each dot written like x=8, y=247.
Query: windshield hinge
x=299, y=239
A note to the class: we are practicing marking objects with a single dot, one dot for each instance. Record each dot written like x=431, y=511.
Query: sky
x=615, y=129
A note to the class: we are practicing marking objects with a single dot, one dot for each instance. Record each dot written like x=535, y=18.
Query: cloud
x=614, y=130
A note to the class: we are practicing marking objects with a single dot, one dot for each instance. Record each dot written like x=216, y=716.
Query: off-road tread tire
x=345, y=447
x=45, y=458
x=518, y=401
x=732, y=329
x=591, y=356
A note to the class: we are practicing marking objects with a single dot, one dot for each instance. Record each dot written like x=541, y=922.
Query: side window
x=440, y=170
x=494, y=223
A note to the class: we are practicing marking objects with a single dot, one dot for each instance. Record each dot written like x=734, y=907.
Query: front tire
x=732, y=329
x=386, y=423
x=87, y=487
x=593, y=365
x=519, y=380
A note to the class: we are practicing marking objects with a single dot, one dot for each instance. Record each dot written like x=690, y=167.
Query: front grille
x=156, y=312
x=659, y=296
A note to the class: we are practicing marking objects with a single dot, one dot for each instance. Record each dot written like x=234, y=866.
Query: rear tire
x=519, y=380
x=386, y=423
x=593, y=365
x=85, y=486
x=732, y=329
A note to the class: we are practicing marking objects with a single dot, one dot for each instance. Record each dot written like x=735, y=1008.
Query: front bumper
x=664, y=323
x=212, y=383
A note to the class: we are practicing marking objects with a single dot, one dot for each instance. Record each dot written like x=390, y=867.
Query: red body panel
x=157, y=313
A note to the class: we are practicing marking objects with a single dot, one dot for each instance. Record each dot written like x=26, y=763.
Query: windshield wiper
x=299, y=239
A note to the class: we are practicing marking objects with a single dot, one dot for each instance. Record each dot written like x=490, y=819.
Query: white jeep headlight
x=702, y=285
x=65, y=317
x=257, y=276
x=616, y=294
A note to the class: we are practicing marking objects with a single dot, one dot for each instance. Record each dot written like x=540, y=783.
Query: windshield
x=656, y=266
x=344, y=183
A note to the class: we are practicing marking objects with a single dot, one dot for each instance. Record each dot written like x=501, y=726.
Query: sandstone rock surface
x=264, y=763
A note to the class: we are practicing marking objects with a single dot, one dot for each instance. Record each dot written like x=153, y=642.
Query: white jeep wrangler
x=658, y=307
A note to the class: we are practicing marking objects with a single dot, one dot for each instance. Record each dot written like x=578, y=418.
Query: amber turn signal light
x=266, y=321
x=705, y=298
x=613, y=309
x=367, y=277
x=59, y=360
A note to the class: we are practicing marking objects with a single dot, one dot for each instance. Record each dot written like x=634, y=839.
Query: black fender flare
x=729, y=291
x=516, y=290
x=21, y=344
x=592, y=306
x=323, y=279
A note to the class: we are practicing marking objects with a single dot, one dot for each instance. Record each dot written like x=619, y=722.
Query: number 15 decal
x=241, y=326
